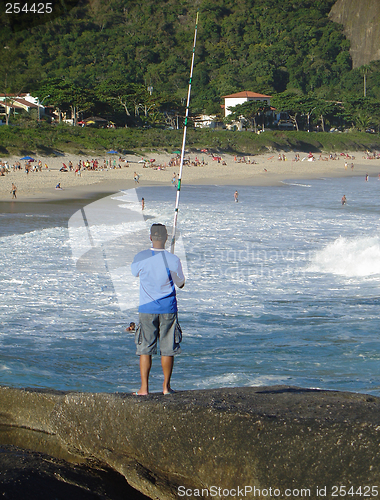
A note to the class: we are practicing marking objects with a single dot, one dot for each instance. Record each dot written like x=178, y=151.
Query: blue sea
x=282, y=287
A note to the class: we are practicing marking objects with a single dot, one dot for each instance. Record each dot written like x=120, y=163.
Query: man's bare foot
x=169, y=391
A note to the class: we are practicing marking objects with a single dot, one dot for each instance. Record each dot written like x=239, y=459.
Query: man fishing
x=159, y=271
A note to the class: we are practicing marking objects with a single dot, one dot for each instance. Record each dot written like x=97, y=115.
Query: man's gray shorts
x=162, y=327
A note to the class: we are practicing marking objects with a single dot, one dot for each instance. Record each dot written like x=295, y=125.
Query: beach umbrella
x=95, y=119
x=29, y=158
x=112, y=152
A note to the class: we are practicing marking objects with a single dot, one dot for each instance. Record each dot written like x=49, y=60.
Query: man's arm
x=135, y=269
x=178, y=277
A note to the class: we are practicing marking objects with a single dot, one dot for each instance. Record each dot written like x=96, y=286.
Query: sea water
x=282, y=287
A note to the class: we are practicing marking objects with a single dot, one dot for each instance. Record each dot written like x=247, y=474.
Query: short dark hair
x=158, y=232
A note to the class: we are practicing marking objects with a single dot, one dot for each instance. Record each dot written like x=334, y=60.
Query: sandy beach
x=259, y=170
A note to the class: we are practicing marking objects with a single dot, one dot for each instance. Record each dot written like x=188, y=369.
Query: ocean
x=282, y=287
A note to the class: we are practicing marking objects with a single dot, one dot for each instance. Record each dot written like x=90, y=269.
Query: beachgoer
x=159, y=271
x=236, y=196
x=366, y=177
x=174, y=179
x=142, y=203
x=58, y=186
x=131, y=327
x=13, y=191
x=136, y=177
x=344, y=199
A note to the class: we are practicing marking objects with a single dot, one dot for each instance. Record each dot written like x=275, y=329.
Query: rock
x=280, y=437
x=361, y=21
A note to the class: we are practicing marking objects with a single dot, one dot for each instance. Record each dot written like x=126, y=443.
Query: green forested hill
x=266, y=46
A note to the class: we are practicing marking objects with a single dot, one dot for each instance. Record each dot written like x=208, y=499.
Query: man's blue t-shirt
x=158, y=271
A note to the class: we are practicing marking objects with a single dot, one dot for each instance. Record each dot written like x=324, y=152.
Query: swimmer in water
x=131, y=327
x=344, y=199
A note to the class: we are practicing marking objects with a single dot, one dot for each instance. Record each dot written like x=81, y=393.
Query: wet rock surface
x=256, y=437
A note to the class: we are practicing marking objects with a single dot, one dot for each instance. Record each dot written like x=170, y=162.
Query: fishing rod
x=183, y=141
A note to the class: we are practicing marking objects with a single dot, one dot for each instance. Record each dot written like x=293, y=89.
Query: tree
x=325, y=109
x=364, y=70
x=131, y=97
x=249, y=110
x=67, y=96
x=10, y=84
x=290, y=102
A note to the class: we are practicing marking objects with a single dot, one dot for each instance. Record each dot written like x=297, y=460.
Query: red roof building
x=240, y=97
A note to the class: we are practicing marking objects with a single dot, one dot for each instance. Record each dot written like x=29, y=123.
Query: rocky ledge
x=246, y=442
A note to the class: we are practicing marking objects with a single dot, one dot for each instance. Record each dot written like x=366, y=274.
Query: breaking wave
x=348, y=257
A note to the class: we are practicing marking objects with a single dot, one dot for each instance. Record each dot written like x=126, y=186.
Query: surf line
x=172, y=245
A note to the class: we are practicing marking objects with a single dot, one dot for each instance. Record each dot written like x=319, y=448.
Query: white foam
x=348, y=257
x=295, y=184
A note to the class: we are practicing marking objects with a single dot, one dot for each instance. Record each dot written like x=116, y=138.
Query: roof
x=246, y=93
x=16, y=103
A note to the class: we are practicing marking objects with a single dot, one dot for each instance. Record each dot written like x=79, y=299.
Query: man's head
x=158, y=233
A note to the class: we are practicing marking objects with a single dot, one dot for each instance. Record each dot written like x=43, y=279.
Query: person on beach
x=136, y=177
x=344, y=199
x=159, y=272
x=236, y=196
x=13, y=191
x=142, y=203
x=131, y=327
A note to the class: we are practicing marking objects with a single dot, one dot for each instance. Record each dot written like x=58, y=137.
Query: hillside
x=100, y=57
x=266, y=46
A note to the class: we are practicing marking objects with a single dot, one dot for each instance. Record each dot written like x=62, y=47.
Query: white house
x=20, y=101
x=241, y=97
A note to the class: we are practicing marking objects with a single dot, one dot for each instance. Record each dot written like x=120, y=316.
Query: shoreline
x=258, y=170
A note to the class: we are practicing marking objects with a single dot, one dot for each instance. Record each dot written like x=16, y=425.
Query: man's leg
x=145, y=366
x=167, y=363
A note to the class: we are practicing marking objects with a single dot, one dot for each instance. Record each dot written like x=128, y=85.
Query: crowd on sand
x=66, y=172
